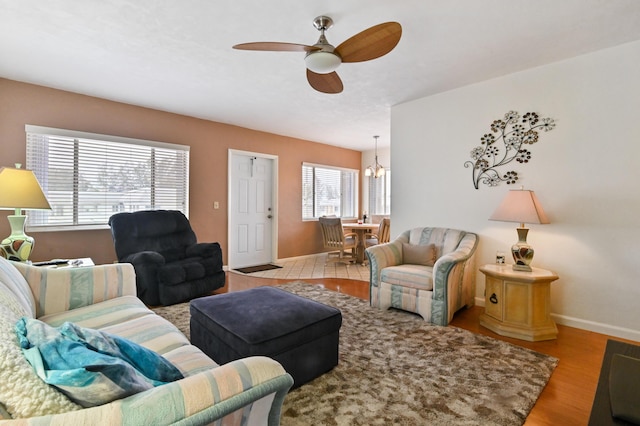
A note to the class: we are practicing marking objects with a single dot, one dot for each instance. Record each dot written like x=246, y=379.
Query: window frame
x=41, y=166
x=355, y=173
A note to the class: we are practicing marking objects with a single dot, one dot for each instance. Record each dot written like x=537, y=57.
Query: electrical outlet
x=216, y=205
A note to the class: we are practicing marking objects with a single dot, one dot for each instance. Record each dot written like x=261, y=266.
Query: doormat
x=258, y=268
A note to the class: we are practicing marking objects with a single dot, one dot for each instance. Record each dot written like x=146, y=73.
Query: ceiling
x=176, y=56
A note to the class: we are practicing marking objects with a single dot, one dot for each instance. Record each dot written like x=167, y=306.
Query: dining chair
x=343, y=244
x=377, y=218
x=382, y=235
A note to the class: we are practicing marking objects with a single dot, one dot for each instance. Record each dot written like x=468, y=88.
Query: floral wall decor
x=511, y=139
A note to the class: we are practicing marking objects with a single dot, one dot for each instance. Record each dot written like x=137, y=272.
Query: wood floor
x=567, y=398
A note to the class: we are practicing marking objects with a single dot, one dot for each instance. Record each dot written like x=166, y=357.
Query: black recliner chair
x=171, y=266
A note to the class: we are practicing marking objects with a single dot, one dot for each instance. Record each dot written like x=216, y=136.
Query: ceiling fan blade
x=325, y=83
x=274, y=46
x=370, y=43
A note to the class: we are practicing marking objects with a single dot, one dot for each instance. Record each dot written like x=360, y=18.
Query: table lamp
x=521, y=206
x=19, y=189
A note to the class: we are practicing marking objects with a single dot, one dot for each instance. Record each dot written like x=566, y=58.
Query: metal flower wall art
x=511, y=139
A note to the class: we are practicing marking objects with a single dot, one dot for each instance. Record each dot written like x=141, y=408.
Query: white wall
x=586, y=174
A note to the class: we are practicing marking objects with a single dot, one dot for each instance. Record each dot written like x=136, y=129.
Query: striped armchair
x=428, y=271
x=247, y=391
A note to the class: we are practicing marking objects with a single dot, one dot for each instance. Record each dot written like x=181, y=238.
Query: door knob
x=269, y=216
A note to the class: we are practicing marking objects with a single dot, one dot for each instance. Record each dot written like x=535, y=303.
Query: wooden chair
x=381, y=236
x=334, y=238
x=377, y=218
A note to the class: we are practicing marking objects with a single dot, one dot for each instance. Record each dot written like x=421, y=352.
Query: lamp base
x=525, y=268
x=18, y=245
x=522, y=252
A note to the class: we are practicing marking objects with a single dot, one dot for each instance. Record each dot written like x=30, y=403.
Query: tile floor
x=315, y=267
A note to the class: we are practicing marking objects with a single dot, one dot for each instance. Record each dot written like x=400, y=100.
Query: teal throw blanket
x=91, y=367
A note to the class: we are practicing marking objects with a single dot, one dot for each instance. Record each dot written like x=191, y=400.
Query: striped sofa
x=249, y=391
x=434, y=292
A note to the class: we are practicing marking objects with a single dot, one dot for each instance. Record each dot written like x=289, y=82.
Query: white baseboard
x=596, y=327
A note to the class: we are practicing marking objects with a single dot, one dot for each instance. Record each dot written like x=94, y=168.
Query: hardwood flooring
x=567, y=398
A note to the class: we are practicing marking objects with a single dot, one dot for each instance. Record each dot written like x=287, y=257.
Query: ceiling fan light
x=322, y=62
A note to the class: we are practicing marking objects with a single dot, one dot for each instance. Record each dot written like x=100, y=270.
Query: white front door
x=251, y=209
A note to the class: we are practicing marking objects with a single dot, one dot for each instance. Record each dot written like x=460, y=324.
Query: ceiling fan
x=323, y=59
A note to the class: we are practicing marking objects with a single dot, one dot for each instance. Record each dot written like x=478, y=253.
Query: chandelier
x=376, y=170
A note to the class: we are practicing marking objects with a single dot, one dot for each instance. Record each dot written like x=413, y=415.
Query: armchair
x=171, y=266
x=428, y=271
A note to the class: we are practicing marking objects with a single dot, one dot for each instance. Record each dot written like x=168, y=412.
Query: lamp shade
x=322, y=62
x=520, y=206
x=19, y=189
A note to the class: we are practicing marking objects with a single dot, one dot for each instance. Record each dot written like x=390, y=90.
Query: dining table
x=360, y=229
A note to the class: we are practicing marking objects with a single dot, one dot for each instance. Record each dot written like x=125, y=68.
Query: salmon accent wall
x=22, y=103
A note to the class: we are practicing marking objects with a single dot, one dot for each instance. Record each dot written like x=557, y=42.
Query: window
x=329, y=191
x=88, y=177
x=380, y=194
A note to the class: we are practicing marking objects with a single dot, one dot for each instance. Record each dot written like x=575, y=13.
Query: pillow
x=90, y=366
x=419, y=254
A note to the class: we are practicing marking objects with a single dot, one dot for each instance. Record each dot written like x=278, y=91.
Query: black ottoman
x=299, y=333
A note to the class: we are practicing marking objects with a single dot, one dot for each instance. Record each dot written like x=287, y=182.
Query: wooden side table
x=518, y=303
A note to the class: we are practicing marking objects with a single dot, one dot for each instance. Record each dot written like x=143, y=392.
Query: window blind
x=88, y=177
x=328, y=191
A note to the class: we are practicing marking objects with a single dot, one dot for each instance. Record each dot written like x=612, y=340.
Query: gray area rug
x=395, y=369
